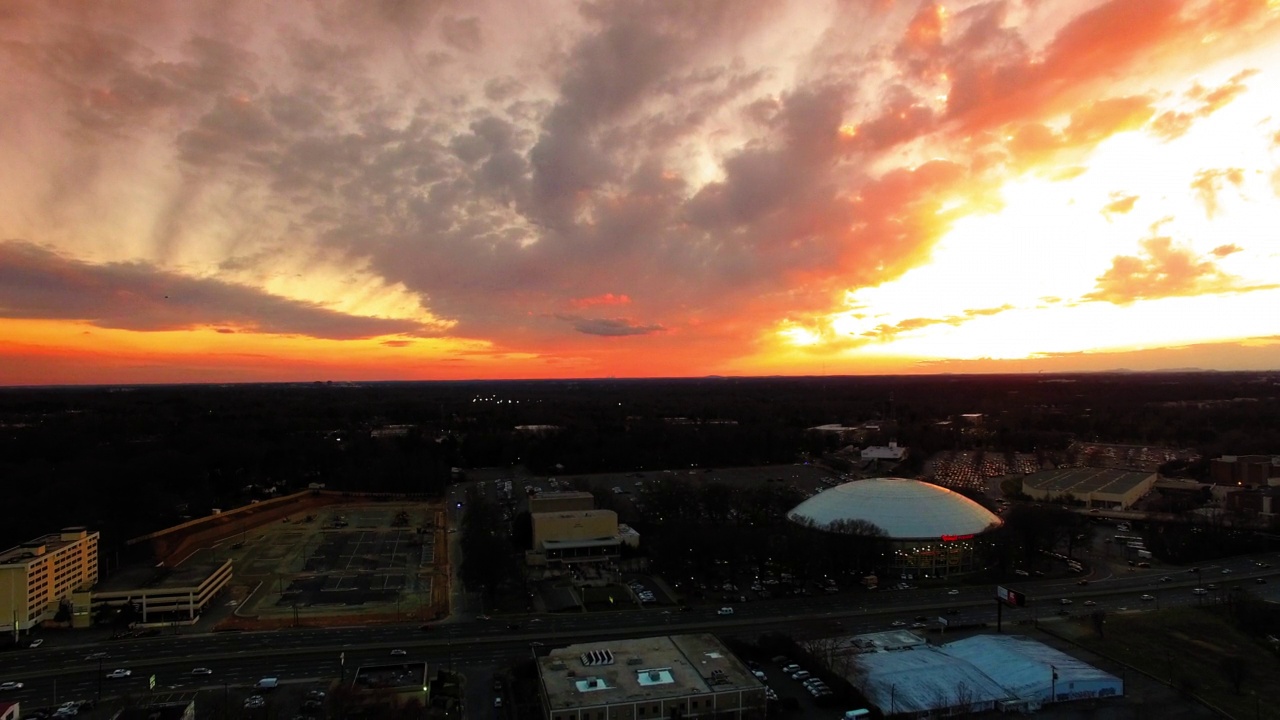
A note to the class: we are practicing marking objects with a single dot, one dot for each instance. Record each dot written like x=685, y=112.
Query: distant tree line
x=130, y=460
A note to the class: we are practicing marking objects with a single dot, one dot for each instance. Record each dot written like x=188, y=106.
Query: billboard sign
x=1012, y=598
x=942, y=621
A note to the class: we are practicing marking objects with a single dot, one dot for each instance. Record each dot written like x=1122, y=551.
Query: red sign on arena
x=953, y=538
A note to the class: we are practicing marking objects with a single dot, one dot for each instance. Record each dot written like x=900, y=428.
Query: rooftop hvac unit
x=655, y=676
x=635, y=661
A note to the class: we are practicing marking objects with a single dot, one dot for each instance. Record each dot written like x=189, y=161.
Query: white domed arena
x=931, y=531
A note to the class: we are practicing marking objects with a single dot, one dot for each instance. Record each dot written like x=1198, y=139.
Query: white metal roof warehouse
x=903, y=509
x=976, y=674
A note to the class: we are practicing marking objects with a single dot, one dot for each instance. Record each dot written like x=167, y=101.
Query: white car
x=36, y=643
x=1089, y=603
x=1064, y=601
x=10, y=686
x=1148, y=598
x=1199, y=591
x=897, y=623
x=202, y=671
x=119, y=673
x=398, y=652
x=725, y=611
x=953, y=592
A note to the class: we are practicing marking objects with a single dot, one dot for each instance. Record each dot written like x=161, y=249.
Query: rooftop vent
x=635, y=661
x=591, y=658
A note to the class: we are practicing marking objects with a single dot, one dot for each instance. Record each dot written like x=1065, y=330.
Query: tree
x=64, y=612
x=1237, y=670
x=1098, y=618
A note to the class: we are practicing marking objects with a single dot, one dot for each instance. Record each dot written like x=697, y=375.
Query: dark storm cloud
x=36, y=283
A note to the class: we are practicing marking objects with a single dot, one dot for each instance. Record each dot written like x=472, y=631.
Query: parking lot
x=354, y=556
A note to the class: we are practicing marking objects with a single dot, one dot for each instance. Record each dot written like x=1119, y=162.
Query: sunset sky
x=422, y=189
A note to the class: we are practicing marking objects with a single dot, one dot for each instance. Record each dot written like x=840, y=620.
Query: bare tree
x=965, y=698
x=1237, y=670
x=1099, y=619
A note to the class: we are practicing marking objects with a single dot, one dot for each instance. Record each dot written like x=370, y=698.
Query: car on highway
x=1089, y=603
x=95, y=656
x=1199, y=591
x=1260, y=581
x=1166, y=578
x=1226, y=571
x=36, y=643
x=398, y=652
x=1082, y=582
x=10, y=686
x=919, y=625
x=897, y=623
x=953, y=592
x=119, y=673
x=1064, y=601
x=497, y=702
x=725, y=611
x=1147, y=598
x=201, y=671
x=255, y=701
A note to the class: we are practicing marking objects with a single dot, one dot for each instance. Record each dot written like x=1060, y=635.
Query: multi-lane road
x=62, y=669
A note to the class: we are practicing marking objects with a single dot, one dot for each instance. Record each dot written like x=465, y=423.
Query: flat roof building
x=653, y=678
x=161, y=594
x=37, y=576
x=561, y=501
x=1095, y=487
x=578, y=536
x=977, y=674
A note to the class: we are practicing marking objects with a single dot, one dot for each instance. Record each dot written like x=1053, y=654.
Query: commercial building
x=10, y=711
x=1263, y=501
x=160, y=594
x=1095, y=487
x=892, y=451
x=561, y=538
x=977, y=674
x=687, y=676
x=930, y=530
x=1241, y=470
x=158, y=711
x=566, y=501
x=37, y=576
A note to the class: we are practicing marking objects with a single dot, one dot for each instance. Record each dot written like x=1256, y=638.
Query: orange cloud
x=1173, y=124
x=888, y=332
x=595, y=300
x=1120, y=205
x=1225, y=250
x=1209, y=182
x=1164, y=270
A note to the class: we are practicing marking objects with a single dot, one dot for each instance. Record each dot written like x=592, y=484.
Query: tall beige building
x=37, y=575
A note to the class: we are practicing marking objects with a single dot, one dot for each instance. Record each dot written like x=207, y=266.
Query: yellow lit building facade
x=36, y=576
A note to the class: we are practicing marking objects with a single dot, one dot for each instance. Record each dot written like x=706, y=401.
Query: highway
x=62, y=670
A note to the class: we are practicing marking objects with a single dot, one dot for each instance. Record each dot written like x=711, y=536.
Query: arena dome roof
x=904, y=509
